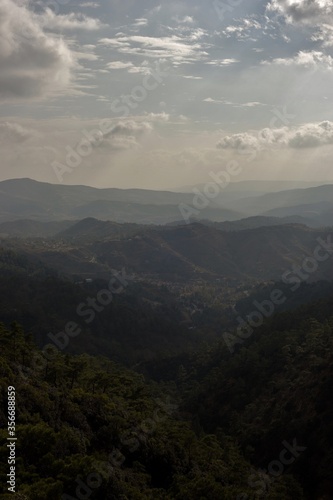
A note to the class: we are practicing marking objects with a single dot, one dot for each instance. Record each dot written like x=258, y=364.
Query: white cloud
x=184, y=20
x=159, y=117
x=141, y=21
x=311, y=12
x=121, y=143
x=312, y=135
x=243, y=30
x=130, y=67
x=219, y=101
x=33, y=63
x=88, y=56
x=243, y=141
x=125, y=135
x=131, y=128
x=11, y=132
x=48, y=19
x=90, y=5
x=309, y=135
x=306, y=59
x=251, y=104
x=325, y=35
x=222, y=62
x=180, y=49
x=119, y=65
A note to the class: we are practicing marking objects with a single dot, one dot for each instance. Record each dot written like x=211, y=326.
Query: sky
x=158, y=95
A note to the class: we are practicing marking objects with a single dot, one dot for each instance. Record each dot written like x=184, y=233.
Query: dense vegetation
x=81, y=416
x=277, y=386
x=148, y=402
x=128, y=329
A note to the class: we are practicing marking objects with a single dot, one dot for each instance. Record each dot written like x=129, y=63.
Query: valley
x=232, y=320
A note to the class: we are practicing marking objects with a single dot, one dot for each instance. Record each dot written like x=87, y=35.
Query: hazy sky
x=140, y=93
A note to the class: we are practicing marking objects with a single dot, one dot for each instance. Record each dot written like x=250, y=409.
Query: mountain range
x=91, y=248
x=42, y=202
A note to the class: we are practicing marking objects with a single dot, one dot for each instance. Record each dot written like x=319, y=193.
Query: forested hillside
x=276, y=387
x=153, y=390
x=87, y=426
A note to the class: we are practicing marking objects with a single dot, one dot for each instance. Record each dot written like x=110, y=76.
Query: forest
x=150, y=407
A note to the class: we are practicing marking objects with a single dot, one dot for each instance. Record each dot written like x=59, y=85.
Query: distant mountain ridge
x=182, y=252
x=26, y=198
x=290, y=202
x=37, y=201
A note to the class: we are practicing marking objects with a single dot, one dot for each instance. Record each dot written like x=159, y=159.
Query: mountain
x=41, y=202
x=276, y=388
x=26, y=228
x=315, y=203
x=259, y=221
x=90, y=428
x=93, y=229
x=236, y=413
x=255, y=187
x=129, y=329
x=26, y=198
x=92, y=248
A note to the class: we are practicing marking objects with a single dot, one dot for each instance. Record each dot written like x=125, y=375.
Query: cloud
x=250, y=104
x=48, y=19
x=119, y=65
x=310, y=12
x=325, y=35
x=125, y=135
x=222, y=62
x=90, y=5
x=243, y=30
x=184, y=20
x=309, y=135
x=159, y=117
x=180, y=49
x=11, y=132
x=306, y=59
x=130, y=67
x=131, y=127
x=313, y=13
x=312, y=135
x=141, y=21
x=121, y=143
x=243, y=141
x=88, y=56
x=117, y=136
x=210, y=99
x=33, y=63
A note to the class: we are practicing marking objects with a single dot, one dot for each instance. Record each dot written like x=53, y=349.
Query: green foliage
x=81, y=416
x=276, y=387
